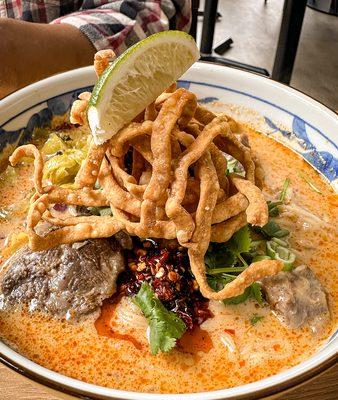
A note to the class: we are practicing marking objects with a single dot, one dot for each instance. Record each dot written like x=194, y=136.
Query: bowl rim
x=35, y=87
x=277, y=388
x=302, y=372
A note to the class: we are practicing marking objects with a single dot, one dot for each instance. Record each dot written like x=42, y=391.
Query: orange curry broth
x=227, y=350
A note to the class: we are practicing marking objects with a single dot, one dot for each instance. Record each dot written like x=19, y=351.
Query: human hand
x=30, y=52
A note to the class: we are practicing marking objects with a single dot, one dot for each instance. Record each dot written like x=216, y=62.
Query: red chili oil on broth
x=230, y=350
x=105, y=326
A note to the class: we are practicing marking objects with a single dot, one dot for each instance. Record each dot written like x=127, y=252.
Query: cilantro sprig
x=250, y=244
x=273, y=206
x=165, y=326
x=271, y=229
x=227, y=260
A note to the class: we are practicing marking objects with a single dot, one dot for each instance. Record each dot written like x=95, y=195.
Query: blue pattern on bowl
x=323, y=161
x=206, y=100
x=57, y=105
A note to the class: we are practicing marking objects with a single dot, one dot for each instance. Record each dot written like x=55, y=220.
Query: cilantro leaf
x=249, y=244
x=253, y=291
x=225, y=262
x=219, y=257
x=256, y=318
x=240, y=298
x=165, y=326
x=158, y=338
x=145, y=299
x=241, y=241
x=218, y=282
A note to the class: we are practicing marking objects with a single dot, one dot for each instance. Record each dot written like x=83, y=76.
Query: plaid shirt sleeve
x=115, y=24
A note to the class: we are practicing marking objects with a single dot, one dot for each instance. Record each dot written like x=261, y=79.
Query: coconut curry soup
x=188, y=253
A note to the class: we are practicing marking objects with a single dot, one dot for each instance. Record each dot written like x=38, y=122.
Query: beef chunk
x=67, y=281
x=298, y=298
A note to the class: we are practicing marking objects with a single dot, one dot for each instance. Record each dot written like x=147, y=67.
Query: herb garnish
x=227, y=260
x=256, y=318
x=284, y=189
x=165, y=326
x=273, y=205
x=232, y=165
x=272, y=229
x=278, y=250
x=240, y=243
x=310, y=183
x=100, y=211
x=273, y=208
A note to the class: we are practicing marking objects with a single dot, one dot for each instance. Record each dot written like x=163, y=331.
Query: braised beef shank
x=69, y=280
x=298, y=298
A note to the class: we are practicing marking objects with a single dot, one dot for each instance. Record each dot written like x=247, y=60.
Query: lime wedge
x=136, y=78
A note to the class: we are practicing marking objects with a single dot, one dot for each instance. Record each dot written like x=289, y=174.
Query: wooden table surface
x=14, y=387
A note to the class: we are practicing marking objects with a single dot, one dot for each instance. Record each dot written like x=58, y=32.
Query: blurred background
x=254, y=26
x=292, y=41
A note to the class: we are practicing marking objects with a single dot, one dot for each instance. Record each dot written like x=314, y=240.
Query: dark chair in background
x=195, y=5
x=291, y=25
x=208, y=30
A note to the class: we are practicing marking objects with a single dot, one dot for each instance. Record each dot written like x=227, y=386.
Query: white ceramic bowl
x=315, y=126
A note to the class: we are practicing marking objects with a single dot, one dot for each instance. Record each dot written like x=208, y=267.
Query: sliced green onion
x=281, y=242
x=273, y=208
x=284, y=189
x=281, y=253
x=310, y=183
x=104, y=211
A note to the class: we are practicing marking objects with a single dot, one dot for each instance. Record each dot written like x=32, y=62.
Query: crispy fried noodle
x=175, y=188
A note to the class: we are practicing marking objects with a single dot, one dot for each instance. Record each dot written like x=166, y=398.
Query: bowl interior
x=271, y=107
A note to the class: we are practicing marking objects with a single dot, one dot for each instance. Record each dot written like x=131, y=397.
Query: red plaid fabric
x=115, y=24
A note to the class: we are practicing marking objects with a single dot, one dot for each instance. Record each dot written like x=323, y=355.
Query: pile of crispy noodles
x=176, y=188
